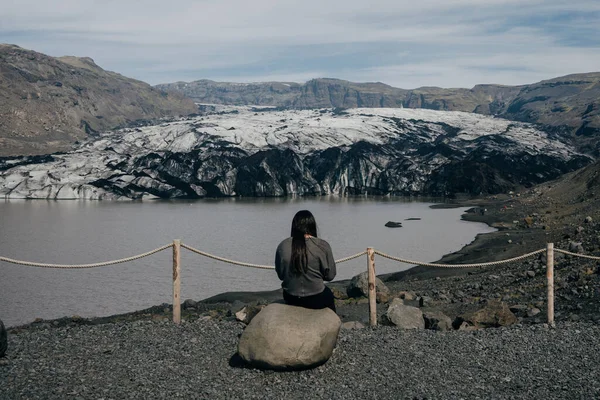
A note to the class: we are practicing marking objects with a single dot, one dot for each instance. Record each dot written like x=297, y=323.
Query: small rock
x=236, y=306
x=392, y=224
x=532, y=312
x=588, y=220
x=424, y=301
x=437, y=321
x=574, y=317
x=579, y=229
x=464, y=326
x=530, y=274
x=381, y=298
x=359, y=286
x=519, y=310
x=350, y=325
x=408, y=296
x=496, y=314
x=189, y=304
x=246, y=314
x=338, y=294
x=402, y=316
x=576, y=247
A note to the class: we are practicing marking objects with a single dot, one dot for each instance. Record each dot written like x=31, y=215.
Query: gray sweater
x=321, y=267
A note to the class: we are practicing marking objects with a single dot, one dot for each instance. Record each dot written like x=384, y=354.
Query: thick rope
x=576, y=254
x=244, y=264
x=102, y=264
x=341, y=260
x=487, y=264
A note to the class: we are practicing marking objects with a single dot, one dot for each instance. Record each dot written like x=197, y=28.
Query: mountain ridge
x=569, y=104
x=48, y=103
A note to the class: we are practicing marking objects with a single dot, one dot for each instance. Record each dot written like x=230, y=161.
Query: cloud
x=457, y=43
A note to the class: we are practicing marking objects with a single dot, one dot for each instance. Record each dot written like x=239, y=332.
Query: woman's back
x=320, y=266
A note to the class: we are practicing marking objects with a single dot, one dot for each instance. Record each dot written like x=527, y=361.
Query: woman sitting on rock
x=303, y=262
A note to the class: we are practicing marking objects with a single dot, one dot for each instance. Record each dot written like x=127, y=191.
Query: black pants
x=321, y=300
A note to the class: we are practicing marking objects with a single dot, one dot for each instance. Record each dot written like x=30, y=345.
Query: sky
x=407, y=44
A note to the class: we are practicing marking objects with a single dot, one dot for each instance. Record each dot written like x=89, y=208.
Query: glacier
x=260, y=151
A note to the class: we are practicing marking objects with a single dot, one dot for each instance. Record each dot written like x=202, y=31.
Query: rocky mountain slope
x=569, y=104
x=246, y=151
x=48, y=103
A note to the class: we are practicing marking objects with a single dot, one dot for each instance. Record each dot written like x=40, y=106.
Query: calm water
x=241, y=229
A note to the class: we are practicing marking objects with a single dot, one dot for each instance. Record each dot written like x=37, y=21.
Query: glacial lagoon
x=77, y=232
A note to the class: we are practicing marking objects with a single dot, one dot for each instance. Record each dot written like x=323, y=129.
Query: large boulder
x=3, y=339
x=496, y=314
x=283, y=337
x=402, y=316
x=359, y=286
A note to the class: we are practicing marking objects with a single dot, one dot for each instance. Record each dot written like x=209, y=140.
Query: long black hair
x=303, y=223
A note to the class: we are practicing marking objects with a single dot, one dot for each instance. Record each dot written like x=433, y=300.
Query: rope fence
x=478, y=265
x=370, y=252
x=577, y=254
x=81, y=266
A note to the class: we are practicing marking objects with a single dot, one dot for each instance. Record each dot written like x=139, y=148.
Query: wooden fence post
x=550, y=278
x=372, y=287
x=176, y=281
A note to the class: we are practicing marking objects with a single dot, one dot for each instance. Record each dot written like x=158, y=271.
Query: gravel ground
x=152, y=359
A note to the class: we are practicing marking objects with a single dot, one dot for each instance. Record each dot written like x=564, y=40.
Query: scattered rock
x=352, y=325
x=530, y=274
x=402, y=316
x=283, y=337
x=588, y=220
x=338, y=294
x=520, y=310
x=408, y=296
x=437, y=321
x=574, y=317
x=235, y=307
x=576, y=247
x=3, y=339
x=532, y=312
x=496, y=314
x=359, y=286
x=424, y=301
x=382, y=298
x=189, y=304
x=392, y=224
x=464, y=326
x=246, y=314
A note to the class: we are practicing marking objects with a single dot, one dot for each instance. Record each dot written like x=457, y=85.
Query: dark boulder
x=392, y=224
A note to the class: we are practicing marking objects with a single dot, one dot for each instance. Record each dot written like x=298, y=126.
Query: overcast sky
x=405, y=44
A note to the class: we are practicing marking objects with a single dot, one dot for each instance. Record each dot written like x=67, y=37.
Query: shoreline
x=222, y=300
